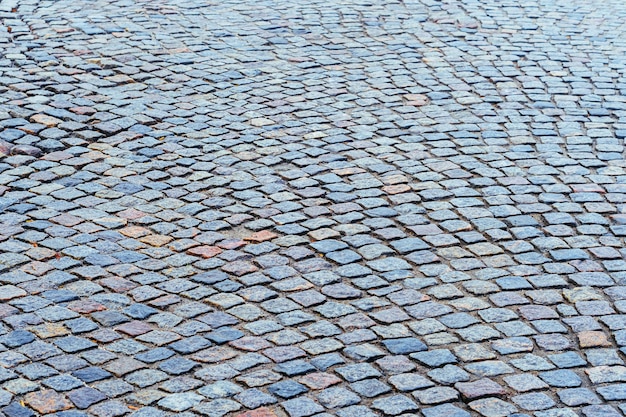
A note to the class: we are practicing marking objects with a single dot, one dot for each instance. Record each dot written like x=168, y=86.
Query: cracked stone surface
x=321, y=208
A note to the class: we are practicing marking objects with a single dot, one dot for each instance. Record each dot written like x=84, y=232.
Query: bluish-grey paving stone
x=524, y=382
x=493, y=407
x=600, y=410
x=180, y=402
x=295, y=367
x=435, y=358
x=86, y=397
x=357, y=372
x=155, y=355
x=148, y=412
x=287, y=389
x=616, y=392
x=356, y=411
x=395, y=405
x=62, y=382
x=15, y=409
x=91, y=374
x=253, y=398
x=301, y=407
x=567, y=359
x=17, y=338
x=557, y=412
x=436, y=395
x=603, y=357
x=449, y=374
x=218, y=408
x=578, y=396
x=177, y=365
x=444, y=410
x=370, y=388
x=561, y=378
x=533, y=401
x=5, y=398
x=336, y=397
x=404, y=345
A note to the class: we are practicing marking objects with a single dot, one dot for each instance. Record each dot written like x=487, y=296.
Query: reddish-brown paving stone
x=67, y=220
x=284, y=353
x=134, y=328
x=48, y=330
x=123, y=366
x=251, y=344
x=57, y=156
x=82, y=110
x=117, y=284
x=205, y=251
x=261, y=236
x=587, y=188
x=240, y=268
x=232, y=244
x=165, y=301
x=6, y=310
x=105, y=335
x=481, y=388
x=36, y=268
x=156, y=240
x=215, y=354
x=259, y=412
x=86, y=306
x=396, y=189
x=131, y=214
x=134, y=231
x=46, y=120
x=592, y=339
x=9, y=292
x=319, y=380
x=47, y=401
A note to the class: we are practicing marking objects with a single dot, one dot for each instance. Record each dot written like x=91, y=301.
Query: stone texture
x=293, y=209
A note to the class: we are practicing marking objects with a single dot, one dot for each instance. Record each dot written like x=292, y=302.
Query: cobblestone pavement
x=324, y=208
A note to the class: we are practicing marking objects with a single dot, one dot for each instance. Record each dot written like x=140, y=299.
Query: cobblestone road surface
x=324, y=208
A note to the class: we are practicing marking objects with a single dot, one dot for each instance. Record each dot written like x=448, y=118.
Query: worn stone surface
x=293, y=209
